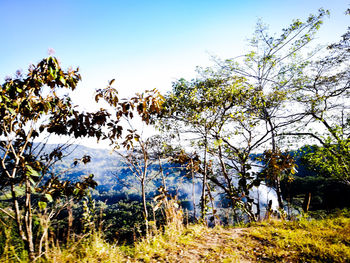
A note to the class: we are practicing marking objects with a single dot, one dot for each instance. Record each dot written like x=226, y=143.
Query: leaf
x=157, y=206
x=42, y=205
x=32, y=181
x=62, y=80
x=12, y=111
x=32, y=172
x=48, y=197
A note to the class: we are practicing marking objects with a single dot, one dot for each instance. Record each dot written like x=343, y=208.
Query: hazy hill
x=115, y=179
x=113, y=175
x=102, y=165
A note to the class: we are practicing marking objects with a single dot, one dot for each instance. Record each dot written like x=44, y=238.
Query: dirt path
x=211, y=246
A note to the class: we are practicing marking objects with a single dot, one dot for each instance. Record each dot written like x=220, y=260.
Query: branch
x=7, y=213
x=304, y=134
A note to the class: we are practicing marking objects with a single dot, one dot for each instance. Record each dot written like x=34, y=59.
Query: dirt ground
x=213, y=246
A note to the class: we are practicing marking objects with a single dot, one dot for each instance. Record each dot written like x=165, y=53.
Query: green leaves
x=31, y=172
x=331, y=160
x=48, y=197
x=42, y=205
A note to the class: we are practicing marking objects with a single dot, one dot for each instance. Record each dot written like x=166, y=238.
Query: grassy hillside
x=303, y=240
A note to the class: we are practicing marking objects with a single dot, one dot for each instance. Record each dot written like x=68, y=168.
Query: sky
x=143, y=44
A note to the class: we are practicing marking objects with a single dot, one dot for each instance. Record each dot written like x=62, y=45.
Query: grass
x=305, y=240
x=90, y=250
x=325, y=240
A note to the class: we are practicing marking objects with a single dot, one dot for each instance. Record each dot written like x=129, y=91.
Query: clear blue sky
x=143, y=44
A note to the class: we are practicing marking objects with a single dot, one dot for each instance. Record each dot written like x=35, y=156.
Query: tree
x=238, y=107
x=324, y=95
x=277, y=166
x=272, y=68
x=31, y=106
x=138, y=154
x=139, y=159
x=191, y=163
x=190, y=106
x=221, y=114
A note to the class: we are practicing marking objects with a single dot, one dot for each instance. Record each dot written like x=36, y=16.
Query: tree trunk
x=143, y=179
x=249, y=210
x=268, y=210
x=258, y=216
x=306, y=203
x=162, y=173
x=70, y=219
x=274, y=149
x=203, y=197
x=279, y=193
x=144, y=200
x=17, y=213
x=212, y=201
x=28, y=218
x=193, y=191
x=144, y=203
x=45, y=224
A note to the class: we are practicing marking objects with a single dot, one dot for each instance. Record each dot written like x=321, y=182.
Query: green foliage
x=323, y=96
x=325, y=190
x=11, y=245
x=221, y=112
x=30, y=106
x=89, y=216
x=241, y=106
x=332, y=160
x=124, y=221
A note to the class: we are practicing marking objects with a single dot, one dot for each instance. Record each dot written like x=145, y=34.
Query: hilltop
x=304, y=240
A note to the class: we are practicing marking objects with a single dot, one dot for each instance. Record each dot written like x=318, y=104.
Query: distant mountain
x=103, y=164
x=110, y=172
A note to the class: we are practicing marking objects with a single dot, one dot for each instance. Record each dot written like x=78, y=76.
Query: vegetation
x=25, y=114
x=323, y=240
x=241, y=118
